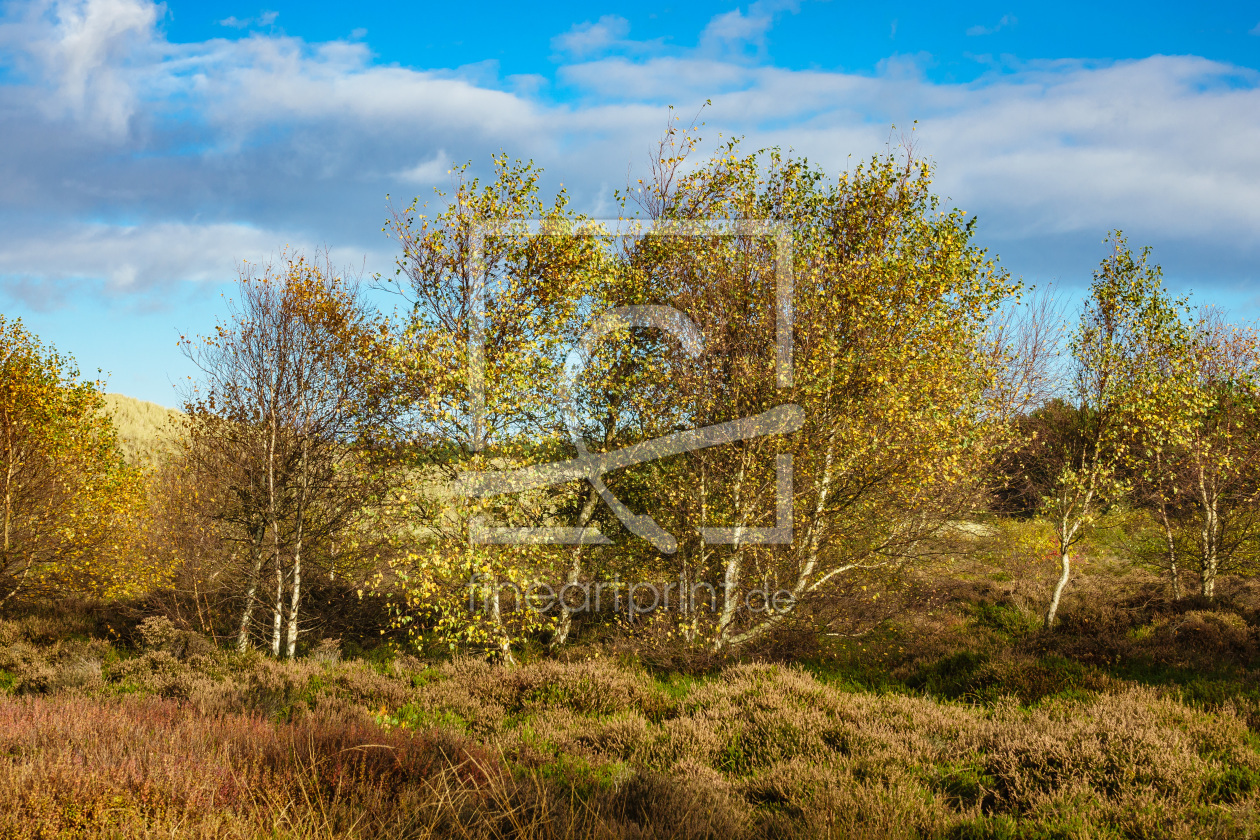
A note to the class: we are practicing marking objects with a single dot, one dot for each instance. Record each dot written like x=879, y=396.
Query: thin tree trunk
x=1067, y=529
x=730, y=579
x=575, y=570
x=505, y=641
x=9, y=472
x=251, y=593
x=1208, y=536
x=805, y=582
x=1210, y=558
x=296, y=590
x=21, y=579
x=1173, y=572
x=730, y=599
x=686, y=607
x=295, y=595
x=273, y=513
x=8, y=513
x=277, y=609
x=1066, y=561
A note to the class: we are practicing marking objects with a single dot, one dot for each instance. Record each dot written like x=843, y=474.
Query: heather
x=955, y=715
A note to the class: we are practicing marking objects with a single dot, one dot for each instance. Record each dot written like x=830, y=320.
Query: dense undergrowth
x=954, y=716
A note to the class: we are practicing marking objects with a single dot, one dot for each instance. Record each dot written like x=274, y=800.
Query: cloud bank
x=136, y=162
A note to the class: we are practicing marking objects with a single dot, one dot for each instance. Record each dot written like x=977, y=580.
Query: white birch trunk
x=251, y=593
x=575, y=570
x=1065, y=572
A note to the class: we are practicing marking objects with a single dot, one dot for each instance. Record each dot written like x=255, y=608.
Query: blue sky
x=146, y=149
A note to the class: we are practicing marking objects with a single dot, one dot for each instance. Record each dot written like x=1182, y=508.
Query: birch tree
x=498, y=283
x=1090, y=442
x=890, y=374
x=281, y=419
x=886, y=402
x=1219, y=465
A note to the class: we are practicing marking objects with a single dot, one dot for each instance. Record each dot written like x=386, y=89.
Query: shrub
x=242, y=745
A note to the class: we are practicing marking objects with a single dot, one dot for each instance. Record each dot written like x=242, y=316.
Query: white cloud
x=276, y=138
x=263, y=19
x=134, y=257
x=588, y=38
x=272, y=80
x=1007, y=20
x=737, y=34
x=90, y=51
x=141, y=258
x=1168, y=143
x=428, y=172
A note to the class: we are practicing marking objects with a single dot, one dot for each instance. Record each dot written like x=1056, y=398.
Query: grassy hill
x=144, y=428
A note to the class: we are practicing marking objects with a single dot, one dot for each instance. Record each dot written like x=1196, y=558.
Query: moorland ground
x=947, y=711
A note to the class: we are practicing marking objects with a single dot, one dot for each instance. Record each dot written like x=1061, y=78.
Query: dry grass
x=940, y=710
x=144, y=766
x=182, y=741
x=144, y=428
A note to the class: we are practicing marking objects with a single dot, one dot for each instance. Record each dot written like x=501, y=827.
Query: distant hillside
x=144, y=428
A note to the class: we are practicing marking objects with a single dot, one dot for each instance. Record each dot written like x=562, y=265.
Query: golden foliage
x=70, y=504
